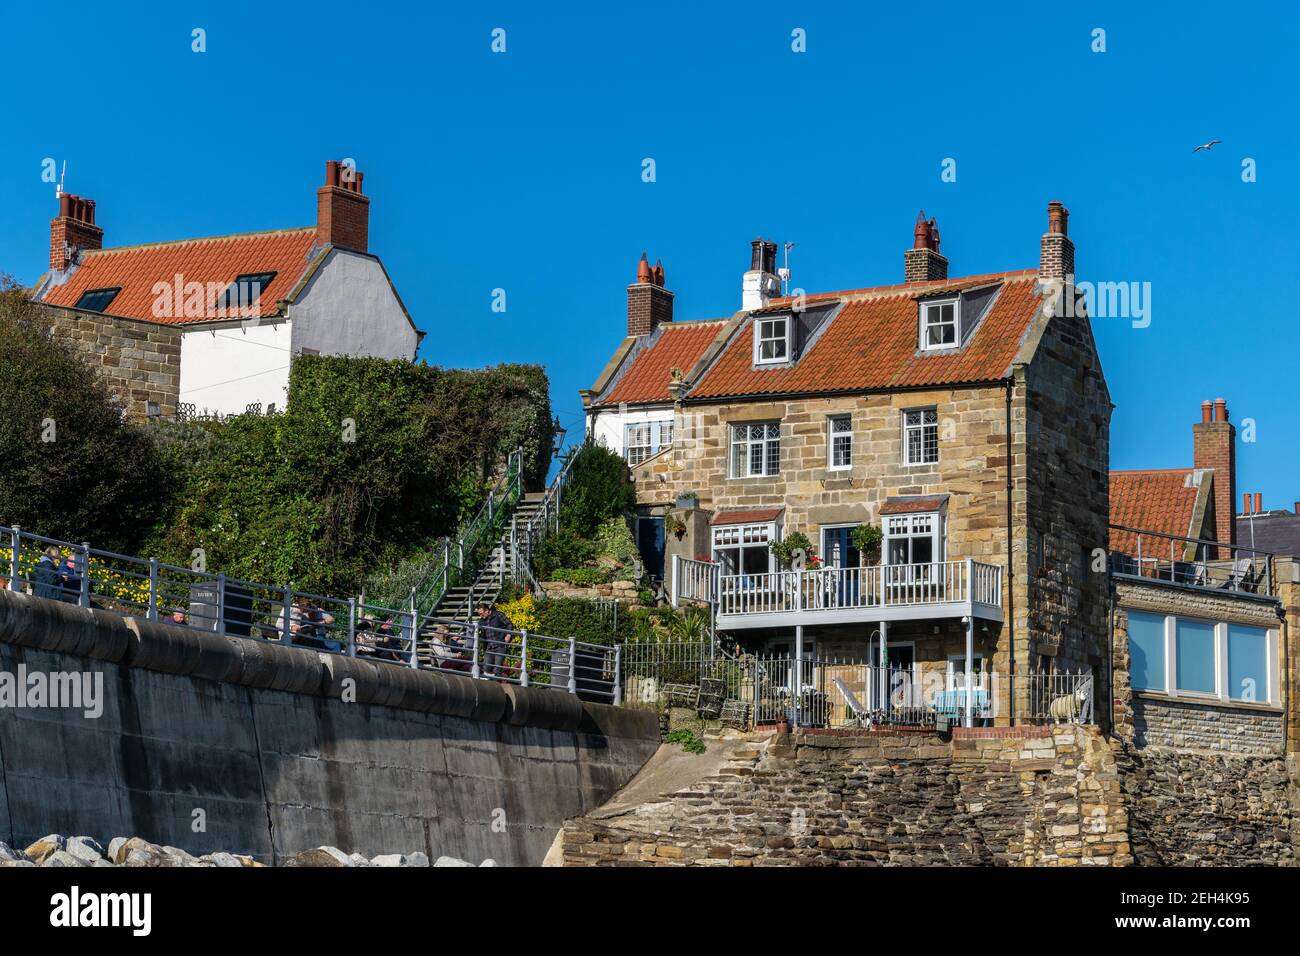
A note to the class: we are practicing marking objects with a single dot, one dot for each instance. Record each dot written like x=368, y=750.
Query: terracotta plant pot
x=783, y=725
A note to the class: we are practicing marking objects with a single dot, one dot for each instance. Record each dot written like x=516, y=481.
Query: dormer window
x=939, y=324
x=772, y=340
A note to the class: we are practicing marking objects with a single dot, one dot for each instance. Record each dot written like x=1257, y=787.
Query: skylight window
x=96, y=300
x=244, y=294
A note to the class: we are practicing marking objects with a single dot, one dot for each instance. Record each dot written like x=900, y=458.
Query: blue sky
x=523, y=170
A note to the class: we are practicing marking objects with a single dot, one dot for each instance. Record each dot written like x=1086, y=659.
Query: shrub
x=522, y=613
x=564, y=548
x=585, y=620
x=614, y=542
x=690, y=743
x=582, y=577
x=600, y=487
x=70, y=467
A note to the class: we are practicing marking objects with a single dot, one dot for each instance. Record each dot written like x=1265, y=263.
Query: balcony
x=1197, y=563
x=894, y=592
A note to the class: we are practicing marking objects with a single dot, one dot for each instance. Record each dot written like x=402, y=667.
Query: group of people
x=56, y=578
x=308, y=626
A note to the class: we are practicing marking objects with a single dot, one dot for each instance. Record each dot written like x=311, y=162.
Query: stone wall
x=280, y=749
x=1191, y=725
x=1197, y=809
x=140, y=361
x=999, y=797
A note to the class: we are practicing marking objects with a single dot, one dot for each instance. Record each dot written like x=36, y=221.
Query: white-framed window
x=755, y=449
x=920, y=436
x=1190, y=657
x=642, y=440
x=939, y=324
x=839, y=439
x=744, y=548
x=913, y=539
x=772, y=340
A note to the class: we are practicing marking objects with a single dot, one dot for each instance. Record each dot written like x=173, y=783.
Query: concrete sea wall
x=216, y=743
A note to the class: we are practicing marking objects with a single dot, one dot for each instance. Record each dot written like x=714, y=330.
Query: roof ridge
x=179, y=242
x=907, y=288
x=1154, y=471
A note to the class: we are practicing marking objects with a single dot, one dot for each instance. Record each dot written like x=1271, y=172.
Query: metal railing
x=876, y=586
x=748, y=690
x=462, y=557
x=526, y=536
x=132, y=586
x=1194, y=562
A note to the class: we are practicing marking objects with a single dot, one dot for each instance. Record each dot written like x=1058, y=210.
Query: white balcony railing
x=963, y=582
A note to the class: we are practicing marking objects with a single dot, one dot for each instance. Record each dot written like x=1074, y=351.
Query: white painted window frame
x=732, y=442
x=957, y=663
x=938, y=534
x=831, y=435
x=771, y=530
x=907, y=462
x=926, y=323
x=1222, y=693
x=655, y=442
x=785, y=339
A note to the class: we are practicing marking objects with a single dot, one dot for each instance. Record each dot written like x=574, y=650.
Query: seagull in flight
x=1207, y=146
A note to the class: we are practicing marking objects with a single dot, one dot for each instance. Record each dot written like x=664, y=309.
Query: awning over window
x=914, y=504
x=748, y=516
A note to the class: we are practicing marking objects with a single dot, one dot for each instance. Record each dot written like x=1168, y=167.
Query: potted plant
x=678, y=527
x=795, y=548
x=688, y=499
x=867, y=538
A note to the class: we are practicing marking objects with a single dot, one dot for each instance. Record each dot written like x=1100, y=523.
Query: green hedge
x=372, y=462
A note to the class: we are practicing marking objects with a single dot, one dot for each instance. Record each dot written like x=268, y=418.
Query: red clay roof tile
x=217, y=260
x=1159, y=500
x=872, y=343
x=679, y=346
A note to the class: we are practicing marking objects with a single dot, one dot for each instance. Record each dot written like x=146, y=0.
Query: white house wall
x=607, y=426
x=349, y=308
x=224, y=369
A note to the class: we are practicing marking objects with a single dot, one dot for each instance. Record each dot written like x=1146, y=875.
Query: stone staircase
x=458, y=602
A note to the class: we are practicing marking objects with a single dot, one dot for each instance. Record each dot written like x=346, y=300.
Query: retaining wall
x=217, y=743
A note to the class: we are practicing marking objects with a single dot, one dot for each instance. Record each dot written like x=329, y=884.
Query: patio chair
x=1237, y=576
x=861, y=716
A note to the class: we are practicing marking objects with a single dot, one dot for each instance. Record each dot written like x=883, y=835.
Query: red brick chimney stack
x=73, y=230
x=649, y=304
x=342, y=212
x=1056, y=256
x=1214, y=445
x=923, y=263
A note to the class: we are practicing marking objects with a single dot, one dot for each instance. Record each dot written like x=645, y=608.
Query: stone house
x=1205, y=606
x=966, y=418
x=212, y=324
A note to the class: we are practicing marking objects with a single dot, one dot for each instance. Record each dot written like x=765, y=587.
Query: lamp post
x=559, y=433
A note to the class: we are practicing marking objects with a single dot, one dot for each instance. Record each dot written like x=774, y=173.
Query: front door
x=838, y=552
x=650, y=544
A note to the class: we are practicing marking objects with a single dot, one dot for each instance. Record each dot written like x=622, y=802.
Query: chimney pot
x=1259, y=504
x=1220, y=410
x=342, y=211
x=1245, y=502
x=1056, y=249
x=1297, y=507
x=1207, y=410
x=73, y=229
x=923, y=262
x=649, y=304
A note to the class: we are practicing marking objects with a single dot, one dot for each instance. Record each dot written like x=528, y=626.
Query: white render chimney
x=761, y=282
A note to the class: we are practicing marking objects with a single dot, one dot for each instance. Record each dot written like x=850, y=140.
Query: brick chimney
x=73, y=230
x=1214, y=445
x=1056, y=259
x=342, y=213
x=760, y=283
x=648, y=303
x=923, y=263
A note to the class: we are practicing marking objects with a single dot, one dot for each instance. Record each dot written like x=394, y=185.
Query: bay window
x=743, y=548
x=913, y=539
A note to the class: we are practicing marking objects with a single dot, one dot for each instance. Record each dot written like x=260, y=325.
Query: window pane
x=756, y=458
x=1195, y=656
x=773, y=458
x=755, y=560
x=738, y=460
x=922, y=550
x=1146, y=648
x=1247, y=663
